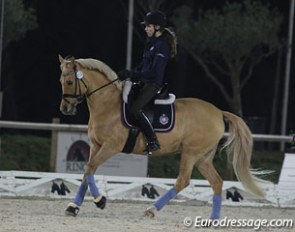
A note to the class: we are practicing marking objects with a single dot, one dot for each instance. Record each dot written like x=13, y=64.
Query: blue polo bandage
x=216, y=207
x=81, y=194
x=159, y=204
x=92, y=186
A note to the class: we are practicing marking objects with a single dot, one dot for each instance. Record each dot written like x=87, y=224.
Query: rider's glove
x=124, y=74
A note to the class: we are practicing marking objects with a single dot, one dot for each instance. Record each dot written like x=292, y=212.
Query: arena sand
x=47, y=215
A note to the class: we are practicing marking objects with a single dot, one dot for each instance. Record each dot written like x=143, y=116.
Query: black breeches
x=146, y=94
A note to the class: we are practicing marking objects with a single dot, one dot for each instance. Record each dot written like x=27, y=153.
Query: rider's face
x=150, y=29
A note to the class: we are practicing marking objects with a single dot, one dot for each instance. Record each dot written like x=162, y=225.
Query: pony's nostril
x=63, y=108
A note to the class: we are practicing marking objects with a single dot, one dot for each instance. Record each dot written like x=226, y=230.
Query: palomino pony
x=199, y=126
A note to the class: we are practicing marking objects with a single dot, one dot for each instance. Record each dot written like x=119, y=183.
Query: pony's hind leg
x=207, y=169
x=185, y=170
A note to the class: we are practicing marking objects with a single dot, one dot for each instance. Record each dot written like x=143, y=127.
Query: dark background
x=98, y=29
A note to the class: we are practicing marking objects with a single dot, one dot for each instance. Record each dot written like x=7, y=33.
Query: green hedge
x=167, y=166
x=25, y=152
x=32, y=153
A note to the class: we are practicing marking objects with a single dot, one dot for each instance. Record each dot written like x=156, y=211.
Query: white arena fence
x=39, y=184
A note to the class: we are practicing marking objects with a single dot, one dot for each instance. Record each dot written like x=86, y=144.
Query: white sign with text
x=73, y=153
x=287, y=176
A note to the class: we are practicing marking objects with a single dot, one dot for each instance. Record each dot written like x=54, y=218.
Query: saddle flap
x=162, y=117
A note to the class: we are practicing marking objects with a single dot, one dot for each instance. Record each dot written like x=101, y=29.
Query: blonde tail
x=239, y=147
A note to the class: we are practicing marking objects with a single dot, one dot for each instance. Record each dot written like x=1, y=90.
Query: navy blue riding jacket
x=153, y=65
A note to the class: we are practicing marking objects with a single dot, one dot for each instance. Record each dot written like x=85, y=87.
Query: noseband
x=78, y=93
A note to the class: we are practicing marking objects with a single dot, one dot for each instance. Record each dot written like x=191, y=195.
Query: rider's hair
x=171, y=38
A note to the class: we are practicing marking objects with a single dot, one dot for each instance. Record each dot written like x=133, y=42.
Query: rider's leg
x=147, y=93
x=148, y=131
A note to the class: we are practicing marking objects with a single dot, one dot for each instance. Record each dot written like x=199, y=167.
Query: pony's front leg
x=88, y=180
x=73, y=207
x=99, y=200
x=96, y=159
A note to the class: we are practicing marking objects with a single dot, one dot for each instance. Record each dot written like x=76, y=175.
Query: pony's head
x=73, y=87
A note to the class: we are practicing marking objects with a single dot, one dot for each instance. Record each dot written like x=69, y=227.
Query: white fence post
x=53, y=152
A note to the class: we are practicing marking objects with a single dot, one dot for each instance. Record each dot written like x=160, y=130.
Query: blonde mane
x=101, y=67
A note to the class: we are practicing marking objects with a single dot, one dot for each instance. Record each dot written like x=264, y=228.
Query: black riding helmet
x=155, y=18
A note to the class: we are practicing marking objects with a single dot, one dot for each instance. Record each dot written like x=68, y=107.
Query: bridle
x=78, y=93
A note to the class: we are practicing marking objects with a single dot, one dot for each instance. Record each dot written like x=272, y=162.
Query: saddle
x=160, y=112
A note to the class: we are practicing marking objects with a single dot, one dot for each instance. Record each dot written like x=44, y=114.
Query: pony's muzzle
x=68, y=109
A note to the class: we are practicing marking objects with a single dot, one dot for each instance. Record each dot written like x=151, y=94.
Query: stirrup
x=152, y=146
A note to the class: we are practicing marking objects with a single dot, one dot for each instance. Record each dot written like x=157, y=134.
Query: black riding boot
x=148, y=131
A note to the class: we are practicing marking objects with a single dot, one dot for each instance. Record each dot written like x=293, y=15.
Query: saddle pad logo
x=164, y=119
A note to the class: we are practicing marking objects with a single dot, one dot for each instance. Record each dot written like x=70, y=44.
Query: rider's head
x=154, y=22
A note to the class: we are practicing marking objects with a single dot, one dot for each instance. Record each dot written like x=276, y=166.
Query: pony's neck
x=104, y=99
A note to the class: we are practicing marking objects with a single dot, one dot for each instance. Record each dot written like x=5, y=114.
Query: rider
x=160, y=46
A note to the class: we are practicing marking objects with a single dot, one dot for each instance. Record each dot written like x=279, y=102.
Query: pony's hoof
x=100, y=202
x=150, y=212
x=72, y=210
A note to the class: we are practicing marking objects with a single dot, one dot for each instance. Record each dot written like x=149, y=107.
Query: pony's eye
x=69, y=82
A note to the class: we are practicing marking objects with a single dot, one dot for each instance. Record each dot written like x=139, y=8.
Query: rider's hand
x=124, y=74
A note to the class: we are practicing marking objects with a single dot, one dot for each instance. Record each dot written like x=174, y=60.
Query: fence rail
x=83, y=128
x=43, y=126
x=39, y=184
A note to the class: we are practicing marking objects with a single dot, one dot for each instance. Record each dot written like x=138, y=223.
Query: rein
x=99, y=88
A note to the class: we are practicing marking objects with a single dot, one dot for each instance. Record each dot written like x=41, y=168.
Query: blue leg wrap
x=159, y=204
x=216, y=206
x=92, y=186
x=81, y=194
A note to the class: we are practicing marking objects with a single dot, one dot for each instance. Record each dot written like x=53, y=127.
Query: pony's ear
x=60, y=58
